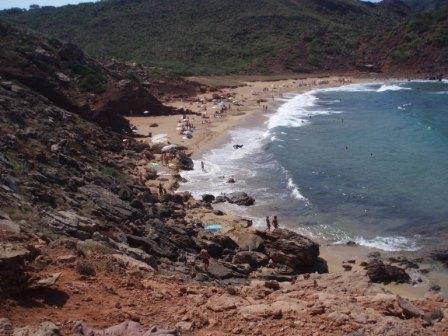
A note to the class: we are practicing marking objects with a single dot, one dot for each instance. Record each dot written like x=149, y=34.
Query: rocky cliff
x=68, y=78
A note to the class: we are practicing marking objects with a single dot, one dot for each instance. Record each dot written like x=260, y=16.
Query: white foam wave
x=295, y=193
x=386, y=87
x=293, y=113
x=390, y=244
x=367, y=87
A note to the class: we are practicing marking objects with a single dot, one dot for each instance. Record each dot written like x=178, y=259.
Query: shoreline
x=250, y=99
x=206, y=138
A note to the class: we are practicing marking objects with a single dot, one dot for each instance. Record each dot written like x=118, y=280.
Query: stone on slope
x=379, y=272
x=253, y=258
x=219, y=303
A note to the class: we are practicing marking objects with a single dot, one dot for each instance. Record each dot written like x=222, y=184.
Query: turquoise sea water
x=363, y=162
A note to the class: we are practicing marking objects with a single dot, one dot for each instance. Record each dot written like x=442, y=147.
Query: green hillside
x=424, y=5
x=218, y=36
x=419, y=44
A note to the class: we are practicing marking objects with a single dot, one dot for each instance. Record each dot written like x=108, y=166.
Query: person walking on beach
x=268, y=224
x=203, y=166
x=275, y=222
x=205, y=258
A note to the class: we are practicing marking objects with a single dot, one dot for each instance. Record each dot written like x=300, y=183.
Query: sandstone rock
x=219, y=303
x=184, y=326
x=45, y=329
x=65, y=259
x=131, y=263
x=72, y=224
x=288, y=306
x=6, y=328
x=49, y=281
x=138, y=254
x=208, y=198
x=272, y=284
x=13, y=275
x=183, y=161
x=220, y=199
x=379, y=272
x=240, y=198
x=338, y=318
x=255, y=311
x=7, y=225
x=441, y=255
x=91, y=247
x=219, y=271
x=254, y=259
x=347, y=267
x=292, y=249
x=125, y=328
x=409, y=310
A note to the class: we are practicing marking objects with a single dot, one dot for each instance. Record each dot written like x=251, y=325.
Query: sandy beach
x=255, y=97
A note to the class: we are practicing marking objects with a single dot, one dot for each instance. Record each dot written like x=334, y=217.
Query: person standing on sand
x=275, y=222
x=203, y=166
x=268, y=224
x=205, y=258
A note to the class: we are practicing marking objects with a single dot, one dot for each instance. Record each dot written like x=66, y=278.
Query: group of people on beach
x=270, y=223
x=185, y=127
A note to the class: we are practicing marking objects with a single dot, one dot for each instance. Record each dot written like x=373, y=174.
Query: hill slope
x=425, y=5
x=63, y=74
x=231, y=36
x=420, y=44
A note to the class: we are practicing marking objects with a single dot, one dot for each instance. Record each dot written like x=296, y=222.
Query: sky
x=26, y=3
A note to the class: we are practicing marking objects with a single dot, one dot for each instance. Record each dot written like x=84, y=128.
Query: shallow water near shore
x=364, y=162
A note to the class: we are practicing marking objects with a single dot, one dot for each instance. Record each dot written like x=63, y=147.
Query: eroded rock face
x=379, y=272
x=130, y=99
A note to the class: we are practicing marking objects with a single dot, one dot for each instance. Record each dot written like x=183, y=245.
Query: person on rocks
x=275, y=222
x=205, y=258
x=161, y=189
x=268, y=224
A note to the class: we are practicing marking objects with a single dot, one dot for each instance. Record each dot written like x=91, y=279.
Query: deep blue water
x=364, y=162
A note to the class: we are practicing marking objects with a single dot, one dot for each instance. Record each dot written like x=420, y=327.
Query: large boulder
x=441, y=255
x=254, y=259
x=71, y=224
x=291, y=249
x=46, y=328
x=184, y=162
x=208, y=198
x=240, y=198
x=13, y=274
x=156, y=247
x=379, y=272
